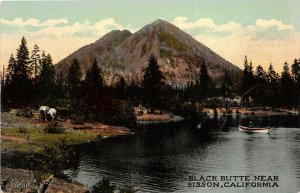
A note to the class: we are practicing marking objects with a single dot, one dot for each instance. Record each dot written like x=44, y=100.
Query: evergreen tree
x=35, y=66
x=21, y=86
x=272, y=76
x=273, y=86
x=227, y=85
x=121, y=87
x=248, y=78
x=46, y=80
x=286, y=87
x=60, y=86
x=296, y=77
x=22, y=68
x=204, y=82
x=93, y=86
x=11, y=68
x=94, y=78
x=261, y=75
x=260, y=93
x=295, y=70
x=7, y=91
x=153, y=82
x=73, y=78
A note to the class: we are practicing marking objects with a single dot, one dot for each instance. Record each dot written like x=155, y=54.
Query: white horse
x=52, y=113
x=43, y=112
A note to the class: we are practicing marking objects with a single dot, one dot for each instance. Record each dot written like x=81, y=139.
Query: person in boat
x=250, y=124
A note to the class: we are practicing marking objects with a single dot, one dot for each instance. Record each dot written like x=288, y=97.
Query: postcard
x=129, y=96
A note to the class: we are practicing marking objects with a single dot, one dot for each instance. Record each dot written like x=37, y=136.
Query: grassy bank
x=33, y=139
x=31, y=135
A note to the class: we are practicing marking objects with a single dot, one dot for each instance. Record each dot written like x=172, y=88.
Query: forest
x=30, y=80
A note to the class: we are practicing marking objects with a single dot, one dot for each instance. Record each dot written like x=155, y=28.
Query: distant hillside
x=120, y=53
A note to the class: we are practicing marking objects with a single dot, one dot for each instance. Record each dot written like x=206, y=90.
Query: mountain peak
x=122, y=54
x=160, y=23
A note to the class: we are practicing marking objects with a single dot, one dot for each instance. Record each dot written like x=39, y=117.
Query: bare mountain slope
x=120, y=53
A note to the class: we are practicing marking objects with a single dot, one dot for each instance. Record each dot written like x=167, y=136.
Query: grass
x=36, y=138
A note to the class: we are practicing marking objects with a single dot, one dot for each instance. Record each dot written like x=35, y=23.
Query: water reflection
x=161, y=157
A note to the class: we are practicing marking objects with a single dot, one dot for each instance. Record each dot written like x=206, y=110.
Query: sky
x=267, y=31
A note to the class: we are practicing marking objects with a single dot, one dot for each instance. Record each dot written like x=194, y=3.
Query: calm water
x=162, y=157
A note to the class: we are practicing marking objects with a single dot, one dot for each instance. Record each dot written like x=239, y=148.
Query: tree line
x=31, y=80
x=268, y=88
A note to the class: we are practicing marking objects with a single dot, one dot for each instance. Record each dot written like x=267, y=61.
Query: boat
x=254, y=129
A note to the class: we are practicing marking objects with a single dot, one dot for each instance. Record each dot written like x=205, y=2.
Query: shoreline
x=20, y=134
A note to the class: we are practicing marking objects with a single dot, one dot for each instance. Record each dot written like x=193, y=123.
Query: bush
x=54, y=128
x=22, y=130
x=103, y=187
x=24, y=112
x=128, y=189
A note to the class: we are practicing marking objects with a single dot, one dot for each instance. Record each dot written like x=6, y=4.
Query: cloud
x=264, y=41
x=265, y=24
x=33, y=22
x=59, y=37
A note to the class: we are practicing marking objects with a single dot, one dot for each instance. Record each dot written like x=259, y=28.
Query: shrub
x=103, y=187
x=22, y=130
x=128, y=189
x=24, y=112
x=54, y=128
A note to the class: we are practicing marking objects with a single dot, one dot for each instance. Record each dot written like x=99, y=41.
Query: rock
x=18, y=180
x=61, y=186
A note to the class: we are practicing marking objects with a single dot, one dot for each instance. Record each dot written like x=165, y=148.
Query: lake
x=161, y=157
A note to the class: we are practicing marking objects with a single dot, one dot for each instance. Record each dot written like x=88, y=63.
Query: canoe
x=253, y=130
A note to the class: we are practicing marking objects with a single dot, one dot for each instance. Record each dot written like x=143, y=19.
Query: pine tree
x=204, y=82
x=121, y=88
x=261, y=75
x=260, y=93
x=295, y=70
x=11, y=68
x=272, y=87
x=94, y=78
x=286, y=87
x=73, y=78
x=35, y=62
x=46, y=80
x=21, y=85
x=248, y=78
x=93, y=85
x=153, y=82
x=22, y=68
x=272, y=76
x=227, y=85
x=60, y=86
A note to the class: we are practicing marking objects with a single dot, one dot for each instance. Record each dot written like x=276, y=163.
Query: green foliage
x=54, y=128
x=204, y=83
x=172, y=42
x=153, y=82
x=121, y=88
x=35, y=65
x=18, y=81
x=24, y=112
x=103, y=186
x=46, y=80
x=248, y=78
x=227, y=85
x=22, y=130
x=73, y=78
x=53, y=160
x=128, y=189
x=286, y=86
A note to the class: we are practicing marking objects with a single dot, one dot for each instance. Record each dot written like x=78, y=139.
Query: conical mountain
x=178, y=54
x=102, y=50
